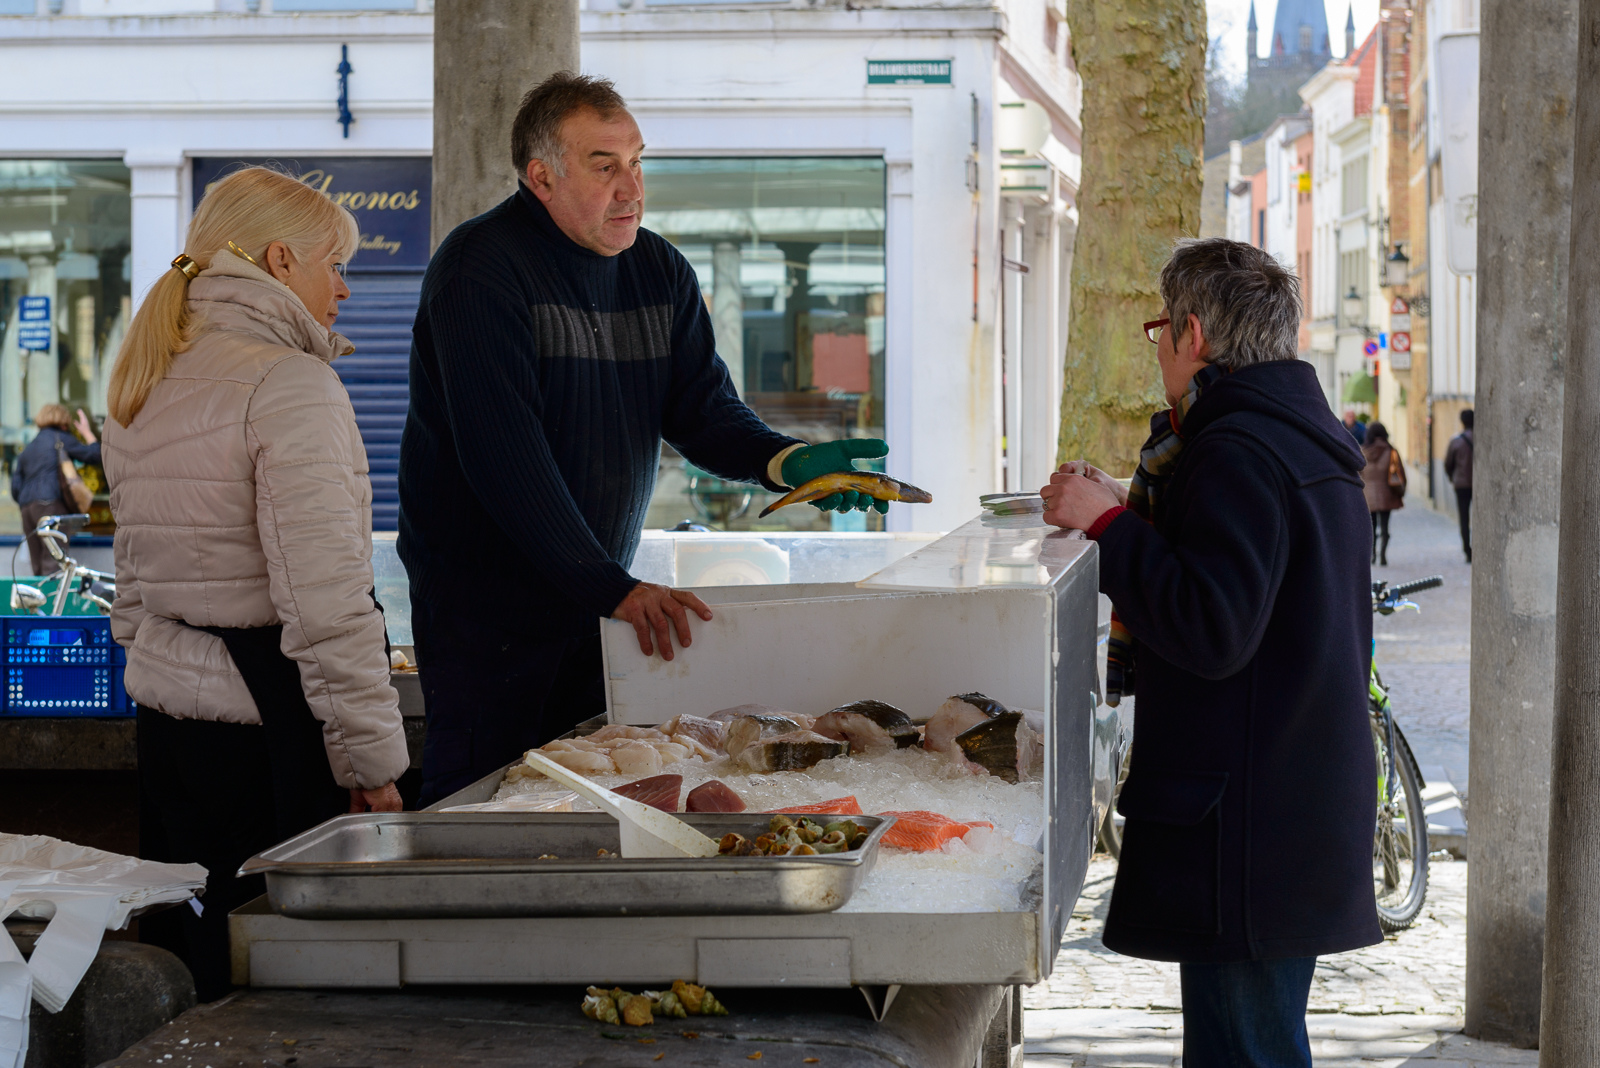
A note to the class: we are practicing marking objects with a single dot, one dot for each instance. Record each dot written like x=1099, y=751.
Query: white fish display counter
x=955, y=690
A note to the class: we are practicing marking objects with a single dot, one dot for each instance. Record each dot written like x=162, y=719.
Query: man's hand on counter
x=651, y=607
x=383, y=799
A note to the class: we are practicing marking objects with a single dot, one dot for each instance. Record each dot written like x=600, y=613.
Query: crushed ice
x=982, y=872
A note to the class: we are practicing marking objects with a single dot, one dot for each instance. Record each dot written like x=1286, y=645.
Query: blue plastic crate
x=62, y=666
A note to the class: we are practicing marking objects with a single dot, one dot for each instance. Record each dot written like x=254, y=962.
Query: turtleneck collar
x=234, y=294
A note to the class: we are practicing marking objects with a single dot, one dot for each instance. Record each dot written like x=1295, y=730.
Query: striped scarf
x=1157, y=460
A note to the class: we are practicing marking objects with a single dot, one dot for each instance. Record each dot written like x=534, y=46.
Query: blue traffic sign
x=33, y=331
x=1370, y=348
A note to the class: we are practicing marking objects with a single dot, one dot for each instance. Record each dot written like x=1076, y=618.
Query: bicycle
x=96, y=587
x=1400, y=834
x=1400, y=831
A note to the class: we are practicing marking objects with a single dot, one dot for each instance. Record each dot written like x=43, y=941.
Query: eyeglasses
x=1152, y=329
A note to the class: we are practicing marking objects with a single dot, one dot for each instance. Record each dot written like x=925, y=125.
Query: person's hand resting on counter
x=1080, y=493
x=656, y=609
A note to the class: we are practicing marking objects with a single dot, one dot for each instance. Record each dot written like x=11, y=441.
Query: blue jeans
x=1247, y=1014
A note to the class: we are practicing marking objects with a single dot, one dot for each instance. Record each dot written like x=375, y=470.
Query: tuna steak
x=713, y=796
x=658, y=791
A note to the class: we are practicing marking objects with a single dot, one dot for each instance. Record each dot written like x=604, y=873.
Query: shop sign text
x=389, y=196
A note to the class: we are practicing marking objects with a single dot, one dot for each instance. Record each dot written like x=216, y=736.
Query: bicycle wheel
x=1400, y=835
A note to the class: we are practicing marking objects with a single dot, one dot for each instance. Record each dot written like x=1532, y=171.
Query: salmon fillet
x=925, y=831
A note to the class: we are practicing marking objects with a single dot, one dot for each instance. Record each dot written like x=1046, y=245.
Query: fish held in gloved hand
x=872, y=484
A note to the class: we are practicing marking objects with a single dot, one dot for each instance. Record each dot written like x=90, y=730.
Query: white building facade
x=879, y=201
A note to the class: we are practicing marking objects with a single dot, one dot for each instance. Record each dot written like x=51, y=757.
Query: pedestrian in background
x=36, y=475
x=1357, y=429
x=1233, y=563
x=1458, y=466
x=1384, y=480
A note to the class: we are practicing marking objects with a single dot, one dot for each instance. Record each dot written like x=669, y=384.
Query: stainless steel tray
x=402, y=865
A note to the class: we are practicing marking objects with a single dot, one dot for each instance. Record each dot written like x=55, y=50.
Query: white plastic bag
x=83, y=893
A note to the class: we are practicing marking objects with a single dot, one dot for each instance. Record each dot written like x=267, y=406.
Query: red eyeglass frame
x=1153, y=324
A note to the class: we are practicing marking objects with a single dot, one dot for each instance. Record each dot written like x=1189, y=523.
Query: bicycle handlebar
x=1405, y=589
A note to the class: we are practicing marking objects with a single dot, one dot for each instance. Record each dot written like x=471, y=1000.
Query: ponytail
x=159, y=331
x=252, y=208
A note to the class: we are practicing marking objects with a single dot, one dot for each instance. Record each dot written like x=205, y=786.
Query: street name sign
x=909, y=71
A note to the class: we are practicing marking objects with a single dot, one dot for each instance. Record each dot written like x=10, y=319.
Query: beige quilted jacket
x=241, y=498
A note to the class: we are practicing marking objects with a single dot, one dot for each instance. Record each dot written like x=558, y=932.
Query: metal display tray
x=441, y=865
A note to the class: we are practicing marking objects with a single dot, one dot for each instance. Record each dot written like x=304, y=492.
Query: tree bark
x=1569, y=1024
x=1143, y=64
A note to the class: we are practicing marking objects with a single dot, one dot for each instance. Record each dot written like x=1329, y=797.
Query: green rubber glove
x=803, y=465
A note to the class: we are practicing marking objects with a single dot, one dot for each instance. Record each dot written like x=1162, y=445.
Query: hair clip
x=183, y=263
x=242, y=252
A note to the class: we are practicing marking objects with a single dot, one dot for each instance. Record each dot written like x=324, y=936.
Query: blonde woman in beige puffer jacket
x=239, y=485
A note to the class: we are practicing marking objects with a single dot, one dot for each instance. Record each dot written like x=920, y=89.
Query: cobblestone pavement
x=1397, y=1003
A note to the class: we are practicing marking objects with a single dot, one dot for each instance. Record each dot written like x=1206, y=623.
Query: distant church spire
x=1250, y=35
x=1350, y=29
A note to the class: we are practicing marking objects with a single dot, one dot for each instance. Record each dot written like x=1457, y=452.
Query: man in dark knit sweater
x=556, y=346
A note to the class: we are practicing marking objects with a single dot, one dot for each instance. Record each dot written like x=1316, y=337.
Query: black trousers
x=1380, y=525
x=493, y=688
x=1464, y=507
x=215, y=794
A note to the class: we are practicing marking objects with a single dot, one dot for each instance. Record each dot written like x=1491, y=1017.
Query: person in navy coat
x=1237, y=565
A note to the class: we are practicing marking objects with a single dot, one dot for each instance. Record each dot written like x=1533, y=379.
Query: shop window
x=65, y=299
x=790, y=258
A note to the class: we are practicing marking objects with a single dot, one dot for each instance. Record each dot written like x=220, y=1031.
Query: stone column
x=43, y=367
x=158, y=216
x=727, y=309
x=1527, y=81
x=1569, y=1031
x=486, y=55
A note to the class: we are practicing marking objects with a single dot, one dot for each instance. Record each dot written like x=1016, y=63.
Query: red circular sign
x=1400, y=342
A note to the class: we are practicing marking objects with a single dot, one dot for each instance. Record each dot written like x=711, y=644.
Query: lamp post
x=1354, y=308
x=1396, y=269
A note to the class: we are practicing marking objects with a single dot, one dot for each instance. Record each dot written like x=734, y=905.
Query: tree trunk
x=1143, y=64
x=1569, y=1019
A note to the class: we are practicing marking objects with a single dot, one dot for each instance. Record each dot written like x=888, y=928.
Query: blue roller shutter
x=377, y=319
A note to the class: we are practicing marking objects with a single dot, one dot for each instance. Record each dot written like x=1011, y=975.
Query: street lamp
x=1354, y=306
x=1397, y=268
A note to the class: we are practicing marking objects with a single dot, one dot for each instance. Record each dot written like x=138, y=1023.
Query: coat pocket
x=1169, y=874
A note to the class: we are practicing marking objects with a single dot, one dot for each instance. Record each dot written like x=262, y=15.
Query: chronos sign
x=389, y=196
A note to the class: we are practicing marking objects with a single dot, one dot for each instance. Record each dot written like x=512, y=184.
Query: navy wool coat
x=1250, y=798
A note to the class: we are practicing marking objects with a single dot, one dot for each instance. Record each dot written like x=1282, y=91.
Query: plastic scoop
x=646, y=831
